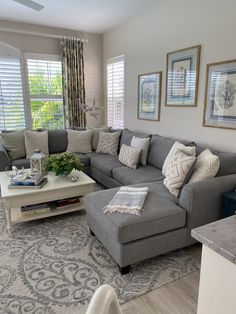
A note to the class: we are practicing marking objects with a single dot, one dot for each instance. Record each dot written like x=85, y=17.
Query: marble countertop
x=220, y=236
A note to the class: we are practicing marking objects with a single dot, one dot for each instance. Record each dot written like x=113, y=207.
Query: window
x=30, y=90
x=115, y=92
x=12, y=114
x=45, y=92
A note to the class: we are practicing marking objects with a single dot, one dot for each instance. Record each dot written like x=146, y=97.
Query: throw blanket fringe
x=127, y=200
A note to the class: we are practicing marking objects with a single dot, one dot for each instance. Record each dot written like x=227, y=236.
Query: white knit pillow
x=79, y=141
x=143, y=145
x=207, y=166
x=36, y=140
x=177, y=171
x=129, y=156
x=188, y=150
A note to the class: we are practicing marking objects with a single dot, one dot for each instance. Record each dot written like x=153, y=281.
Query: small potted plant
x=62, y=164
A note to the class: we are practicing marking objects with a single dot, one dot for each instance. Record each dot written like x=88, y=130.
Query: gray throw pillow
x=36, y=140
x=108, y=143
x=14, y=143
x=79, y=141
x=95, y=135
x=143, y=145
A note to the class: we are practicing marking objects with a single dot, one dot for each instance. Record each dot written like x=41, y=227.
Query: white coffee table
x=55, y=189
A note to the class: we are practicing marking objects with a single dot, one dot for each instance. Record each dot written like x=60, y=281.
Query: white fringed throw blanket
x=128, y=200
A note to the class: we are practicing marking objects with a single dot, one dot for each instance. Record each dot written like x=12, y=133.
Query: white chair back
x=104, y=301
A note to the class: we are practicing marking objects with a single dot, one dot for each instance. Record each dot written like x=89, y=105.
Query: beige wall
x=173, y=25
x=40, y=44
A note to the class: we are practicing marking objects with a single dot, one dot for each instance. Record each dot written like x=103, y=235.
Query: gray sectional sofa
x=166, y=222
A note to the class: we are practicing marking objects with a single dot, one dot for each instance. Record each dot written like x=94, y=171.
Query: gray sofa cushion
x=127, y=135
x=105, y=163
x=127, y=176
x=158, y=150
x=227, y=164
x=160, y=214
x=57, y=141
x=94, y=154
x=22, y=162
x=78, y=128
x=84, y=159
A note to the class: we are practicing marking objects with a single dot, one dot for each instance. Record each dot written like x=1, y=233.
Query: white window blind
x=45, y=92
x=115, y=92
x=12, y=115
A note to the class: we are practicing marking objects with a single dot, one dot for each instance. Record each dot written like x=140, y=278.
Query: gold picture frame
x=149, y=96
x=182, y=77
x=220, y=95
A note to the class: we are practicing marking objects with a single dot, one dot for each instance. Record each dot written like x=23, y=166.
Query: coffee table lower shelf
x=16, y=216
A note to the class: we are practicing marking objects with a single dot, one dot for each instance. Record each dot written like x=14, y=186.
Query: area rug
x=54, y=266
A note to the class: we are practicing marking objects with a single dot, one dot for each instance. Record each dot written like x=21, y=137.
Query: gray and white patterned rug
x=55, y=265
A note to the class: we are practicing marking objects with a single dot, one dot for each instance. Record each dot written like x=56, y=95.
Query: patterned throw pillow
x=79, y=141
x=207, y=166
x=178, y=170
x=36, y=140
x=95, y=136
x=188, y=150
x=108, y=143
x=129, y=156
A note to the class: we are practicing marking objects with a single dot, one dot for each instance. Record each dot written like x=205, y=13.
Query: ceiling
x=96, y=16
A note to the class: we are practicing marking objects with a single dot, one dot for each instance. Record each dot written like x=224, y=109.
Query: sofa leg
x=124, y=270
x=91, y=232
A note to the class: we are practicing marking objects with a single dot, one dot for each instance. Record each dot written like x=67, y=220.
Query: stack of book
x=34, y=210
x=35, y=181
x=65, y=203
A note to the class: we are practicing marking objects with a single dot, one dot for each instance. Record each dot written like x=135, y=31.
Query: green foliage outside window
x=46, y=100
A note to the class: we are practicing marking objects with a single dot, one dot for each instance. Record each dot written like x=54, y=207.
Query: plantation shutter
x=12, y=113
x=115, y=92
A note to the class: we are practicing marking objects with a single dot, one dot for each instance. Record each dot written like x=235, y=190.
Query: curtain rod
x=19, y=31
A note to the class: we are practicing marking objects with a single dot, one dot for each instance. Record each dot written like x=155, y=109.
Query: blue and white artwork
x=149, y=96
x=220, y=98
x=182, y=77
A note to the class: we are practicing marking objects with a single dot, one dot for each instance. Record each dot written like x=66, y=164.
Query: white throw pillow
x=108, y=142
x=79, y=141
x=143, y=145
x=207, y=166
x=189, y=150
x=36, y=140
x=177, y=171
x=129, y=156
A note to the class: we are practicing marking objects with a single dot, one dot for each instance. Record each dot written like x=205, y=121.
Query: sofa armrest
x=5, y=161
x=203, y=199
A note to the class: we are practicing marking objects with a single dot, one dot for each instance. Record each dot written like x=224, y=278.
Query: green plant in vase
x=62, y=164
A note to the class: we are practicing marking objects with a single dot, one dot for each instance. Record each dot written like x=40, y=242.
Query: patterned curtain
x=73, y=81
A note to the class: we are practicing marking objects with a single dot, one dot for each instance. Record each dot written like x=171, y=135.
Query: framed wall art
x=149, y=96
x=182, y=75
x=220, y=95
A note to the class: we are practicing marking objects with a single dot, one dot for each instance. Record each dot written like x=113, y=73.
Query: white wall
x=38, y=44
x=173, y=25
